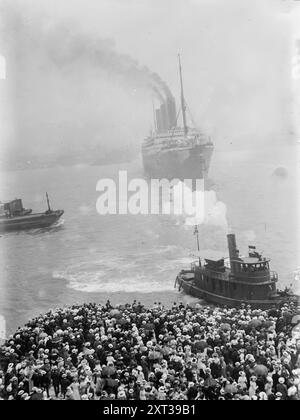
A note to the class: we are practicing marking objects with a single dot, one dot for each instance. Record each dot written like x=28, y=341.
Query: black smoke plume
x=67, y=49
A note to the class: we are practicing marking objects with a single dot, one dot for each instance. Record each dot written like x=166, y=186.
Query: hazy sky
x=65, y=87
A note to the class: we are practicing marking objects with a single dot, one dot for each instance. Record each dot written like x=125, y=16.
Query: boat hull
x=33, y=221
x=192, y=163
x=190, y=288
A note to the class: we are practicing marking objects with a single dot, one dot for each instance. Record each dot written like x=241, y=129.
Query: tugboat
x=13, y=216
x=246, y=280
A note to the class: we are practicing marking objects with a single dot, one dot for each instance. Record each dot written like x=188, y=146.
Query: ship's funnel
x=164, y=116
x=171, y=106
x=159, y=123
x=233, y=252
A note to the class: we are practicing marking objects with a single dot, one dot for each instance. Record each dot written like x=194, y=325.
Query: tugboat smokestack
x=233, y=251
x=232, y=246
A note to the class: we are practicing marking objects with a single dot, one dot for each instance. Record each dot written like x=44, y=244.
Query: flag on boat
x=253, y=253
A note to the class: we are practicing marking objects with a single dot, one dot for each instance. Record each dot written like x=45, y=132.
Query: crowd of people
x=130, y=352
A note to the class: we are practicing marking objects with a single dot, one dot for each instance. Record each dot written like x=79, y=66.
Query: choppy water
x=88, y=257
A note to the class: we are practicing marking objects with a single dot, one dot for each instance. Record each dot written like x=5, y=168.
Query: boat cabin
x=13, y=208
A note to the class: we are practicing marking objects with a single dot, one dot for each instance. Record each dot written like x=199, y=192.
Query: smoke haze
x=84, y=73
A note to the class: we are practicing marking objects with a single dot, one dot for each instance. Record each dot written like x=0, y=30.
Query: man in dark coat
x=64, y=383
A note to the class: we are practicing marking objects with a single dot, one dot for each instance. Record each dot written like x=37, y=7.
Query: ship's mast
x=196, y=232
x=183, y=105
x=48, y=202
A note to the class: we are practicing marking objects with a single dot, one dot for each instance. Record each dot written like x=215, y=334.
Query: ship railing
x=254, y=277
x=218, y=275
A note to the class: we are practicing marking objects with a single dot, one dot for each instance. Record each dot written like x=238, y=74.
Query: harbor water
x=88, y=257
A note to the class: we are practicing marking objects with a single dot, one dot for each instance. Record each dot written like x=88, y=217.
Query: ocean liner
x=172, y=151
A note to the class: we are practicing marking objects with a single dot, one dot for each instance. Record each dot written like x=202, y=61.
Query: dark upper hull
x=32, y=221
x=190, y=288
x=192, y=163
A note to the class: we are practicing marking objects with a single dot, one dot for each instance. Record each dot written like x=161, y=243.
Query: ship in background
x=172, y=151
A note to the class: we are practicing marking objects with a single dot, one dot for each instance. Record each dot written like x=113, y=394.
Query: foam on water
x=40, y=231
x=100, y=282
x=113, y=274
x=160, y=250
x=192, y=301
